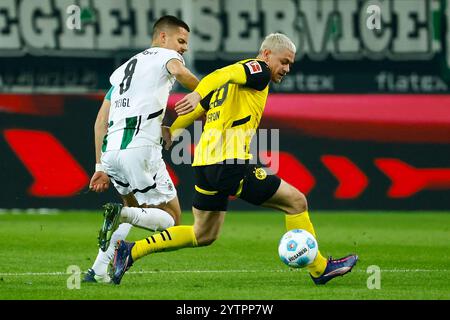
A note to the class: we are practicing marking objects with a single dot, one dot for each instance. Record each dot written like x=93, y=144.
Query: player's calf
x=207, y=226
x=287, y=199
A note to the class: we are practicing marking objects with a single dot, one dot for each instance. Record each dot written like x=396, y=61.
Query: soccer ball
x=297, y=248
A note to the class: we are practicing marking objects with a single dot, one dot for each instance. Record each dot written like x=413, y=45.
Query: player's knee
x=298, y=202
x=174, y=211
x=167, y=221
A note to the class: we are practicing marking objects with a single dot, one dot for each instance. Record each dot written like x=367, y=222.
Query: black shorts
x=215, y=183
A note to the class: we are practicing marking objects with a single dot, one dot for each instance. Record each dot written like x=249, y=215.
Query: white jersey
x=139, y=99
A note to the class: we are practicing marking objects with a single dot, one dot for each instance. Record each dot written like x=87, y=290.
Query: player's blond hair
x=276, y=42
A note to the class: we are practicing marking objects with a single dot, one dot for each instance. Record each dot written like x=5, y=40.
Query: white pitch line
x=210, y=271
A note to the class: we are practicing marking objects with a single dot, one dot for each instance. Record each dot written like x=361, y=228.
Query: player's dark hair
x=169, y=21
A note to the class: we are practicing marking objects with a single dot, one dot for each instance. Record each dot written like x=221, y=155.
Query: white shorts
x=141, y=171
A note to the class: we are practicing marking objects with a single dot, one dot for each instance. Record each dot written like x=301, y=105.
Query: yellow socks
x=302, y=221
x=183, y=236
x=171, y=239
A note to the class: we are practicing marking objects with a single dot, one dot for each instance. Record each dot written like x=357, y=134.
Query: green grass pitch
x=410, y=248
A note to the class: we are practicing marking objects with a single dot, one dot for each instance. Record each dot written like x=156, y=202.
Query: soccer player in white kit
x=128, y=137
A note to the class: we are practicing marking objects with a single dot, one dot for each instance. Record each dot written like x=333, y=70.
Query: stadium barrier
x=343, y=151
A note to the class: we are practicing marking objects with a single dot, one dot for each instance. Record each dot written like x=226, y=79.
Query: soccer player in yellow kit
x=233, y=98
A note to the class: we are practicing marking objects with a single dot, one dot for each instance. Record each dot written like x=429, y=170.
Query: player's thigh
x=148, y=177
x=207, y=225
x=118, y=177
x=258, y=185
x=208, y=193
x=166, y=192
x=129, y=200
x=288, y=199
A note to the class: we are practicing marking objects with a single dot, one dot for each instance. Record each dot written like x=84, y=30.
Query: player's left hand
x=167, y=137
x=188, y=103
x=99, y=182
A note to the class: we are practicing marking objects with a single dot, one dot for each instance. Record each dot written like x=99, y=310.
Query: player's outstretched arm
x=182, y=122
x=182, y=74
x=234, y=73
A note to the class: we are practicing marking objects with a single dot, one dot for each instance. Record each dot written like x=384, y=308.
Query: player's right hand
x=99, y=182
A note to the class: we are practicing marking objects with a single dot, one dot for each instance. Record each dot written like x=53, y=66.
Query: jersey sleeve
x=257, y=73
x=233, y=73
x=185, y=120
x=173, y=55
x=108, y=95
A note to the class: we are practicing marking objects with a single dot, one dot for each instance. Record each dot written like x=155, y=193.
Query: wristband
x=99, y=167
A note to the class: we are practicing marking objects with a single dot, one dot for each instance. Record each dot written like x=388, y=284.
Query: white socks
x=100, y=266
x=153, y=219
x=148, y=218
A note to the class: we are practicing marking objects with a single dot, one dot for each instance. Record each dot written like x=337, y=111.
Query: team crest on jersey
x=260, y=174
x=254, y=67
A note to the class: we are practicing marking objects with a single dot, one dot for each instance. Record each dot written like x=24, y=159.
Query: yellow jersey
x=234, y=98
